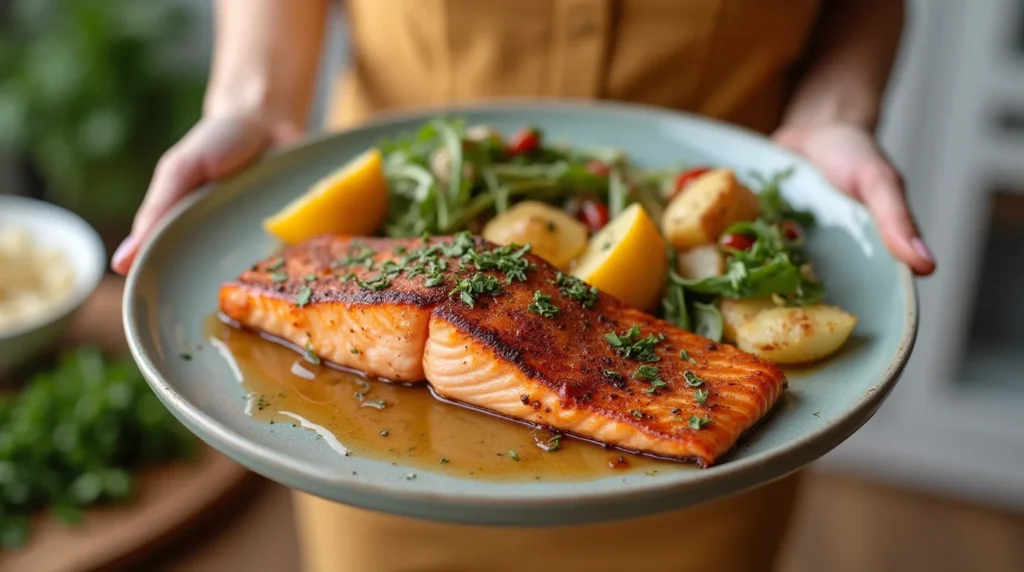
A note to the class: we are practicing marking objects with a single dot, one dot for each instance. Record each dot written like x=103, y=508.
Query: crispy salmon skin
x=499, y=329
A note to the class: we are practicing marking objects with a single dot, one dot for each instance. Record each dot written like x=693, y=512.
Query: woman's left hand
x=850, y=159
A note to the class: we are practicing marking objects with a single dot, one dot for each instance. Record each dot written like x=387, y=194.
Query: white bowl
x=54, y=227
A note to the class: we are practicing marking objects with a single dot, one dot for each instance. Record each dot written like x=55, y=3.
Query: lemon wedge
x=351, y=200
x=627, y=259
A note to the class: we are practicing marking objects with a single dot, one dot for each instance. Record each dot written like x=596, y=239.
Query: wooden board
x=170, y=498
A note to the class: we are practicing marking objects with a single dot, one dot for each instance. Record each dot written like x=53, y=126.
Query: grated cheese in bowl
x=34, y=279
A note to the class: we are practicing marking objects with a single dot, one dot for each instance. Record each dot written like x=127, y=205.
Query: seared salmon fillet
x=564, y=372
x=301, y=296
x=502, y=330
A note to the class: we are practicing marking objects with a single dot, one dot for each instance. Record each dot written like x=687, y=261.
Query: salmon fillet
x=508, y=333
x=301, y=297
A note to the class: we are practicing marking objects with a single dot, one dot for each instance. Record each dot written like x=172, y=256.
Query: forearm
x=852, y=54
x=265, y=59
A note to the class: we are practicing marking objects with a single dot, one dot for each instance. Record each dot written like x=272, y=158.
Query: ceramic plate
x=215, y=234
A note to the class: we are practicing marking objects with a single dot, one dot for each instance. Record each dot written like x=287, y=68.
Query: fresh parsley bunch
x=72, y=437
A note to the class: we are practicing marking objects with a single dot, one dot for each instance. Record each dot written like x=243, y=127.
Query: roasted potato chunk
x=796, y=335
x=700, y=213
x=552, y=233
x=735, y=313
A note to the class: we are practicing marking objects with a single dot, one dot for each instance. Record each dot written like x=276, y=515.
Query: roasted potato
x=700, y=262
x=796, y=335
x=553, y=234
x=711, y=203
x=735, y=313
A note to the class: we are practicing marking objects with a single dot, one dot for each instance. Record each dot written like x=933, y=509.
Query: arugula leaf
x=707, y=321
x=617, y=194
x=774, y=207
x=779, y=276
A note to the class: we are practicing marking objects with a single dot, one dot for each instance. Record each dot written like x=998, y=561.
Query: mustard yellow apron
x=728, y=59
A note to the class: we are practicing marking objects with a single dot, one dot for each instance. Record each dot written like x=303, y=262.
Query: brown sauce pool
x=407, y=425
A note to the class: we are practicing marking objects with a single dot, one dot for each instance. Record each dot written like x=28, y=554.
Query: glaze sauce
x=407, y=424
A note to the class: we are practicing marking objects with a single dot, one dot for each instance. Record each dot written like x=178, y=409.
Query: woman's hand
x=851, y=160
x=213, y=149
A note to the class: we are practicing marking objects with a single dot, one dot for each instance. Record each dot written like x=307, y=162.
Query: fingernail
x=921, y=248
x=123, y=251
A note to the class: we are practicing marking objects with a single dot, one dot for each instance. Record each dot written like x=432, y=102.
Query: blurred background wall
x=954, y=124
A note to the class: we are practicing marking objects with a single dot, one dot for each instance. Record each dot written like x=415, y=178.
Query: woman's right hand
x=214, y=148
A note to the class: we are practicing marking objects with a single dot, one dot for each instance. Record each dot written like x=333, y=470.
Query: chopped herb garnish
x=278, y=277
x=379, y=282
x=383, y=432
x=375, y=403
x=816, y=414
x=637, y=413
x=698, y=422
x=357, y=254
x=683, y=354
x=542, y=305
x=552, y=444
x=310, y=356
x=508, y=259
x=651, y=374
x=310, y=277
x=410, y=476
x=576, y=289
x=275, y=265
x=355, y=351
x=302, y=298
x=675, y=411
x=700, y=395
x=434, y=279
x=611, y=374
x=443, y=461
x=459, y=246
x=513, y=455
x=630, y=345
x=692, y=380
x=480, y=284
x=186, y=357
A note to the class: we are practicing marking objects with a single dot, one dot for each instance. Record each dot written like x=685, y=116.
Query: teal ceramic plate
x=215, y=234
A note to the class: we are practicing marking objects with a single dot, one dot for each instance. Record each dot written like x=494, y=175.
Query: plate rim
x=795, y=455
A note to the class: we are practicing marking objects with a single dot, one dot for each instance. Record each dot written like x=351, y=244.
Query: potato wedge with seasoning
x=796, y=335
x=736, y=313
x=711, y=203
x=552, y=233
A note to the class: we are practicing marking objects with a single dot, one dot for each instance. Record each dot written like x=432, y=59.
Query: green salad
x=447, y=177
